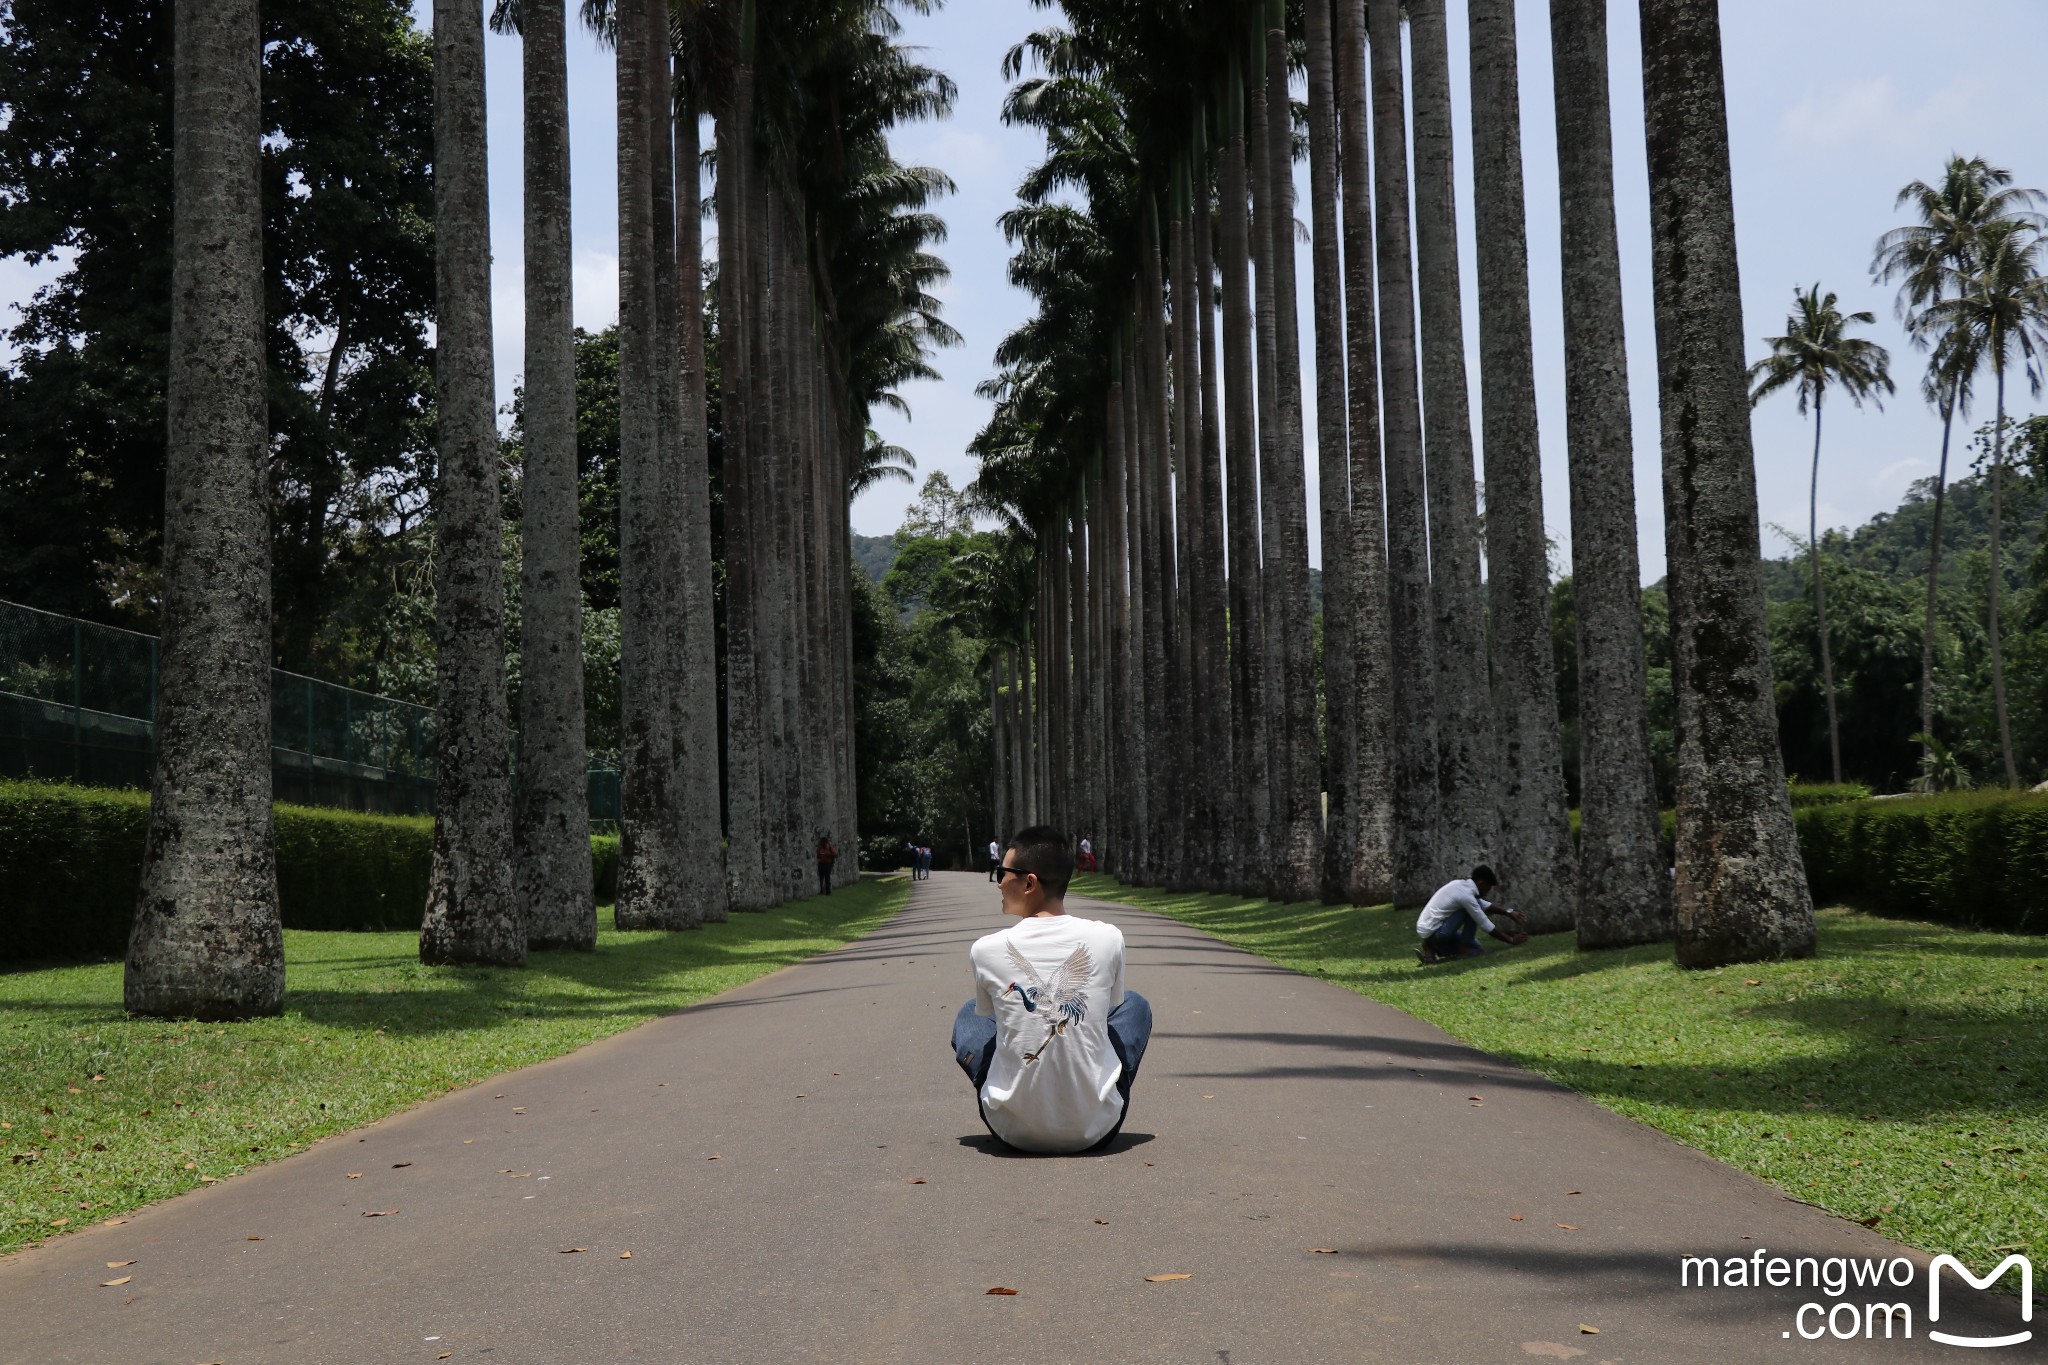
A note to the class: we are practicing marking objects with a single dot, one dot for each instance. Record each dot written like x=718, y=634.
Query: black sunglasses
x=1004, y=869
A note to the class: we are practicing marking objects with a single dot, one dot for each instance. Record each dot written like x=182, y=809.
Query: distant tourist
x=1051, y=1040
x=827, y=855
x=995, y=860
x=1088, y=859
x=1449, y=925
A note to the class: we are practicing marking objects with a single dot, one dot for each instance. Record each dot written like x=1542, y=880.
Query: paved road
x=1275, y=1115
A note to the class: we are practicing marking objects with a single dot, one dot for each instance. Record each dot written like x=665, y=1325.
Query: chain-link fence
x=78, y=704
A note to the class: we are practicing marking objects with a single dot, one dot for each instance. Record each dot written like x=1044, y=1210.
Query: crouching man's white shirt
x=1452, y=902
x=1050, y=984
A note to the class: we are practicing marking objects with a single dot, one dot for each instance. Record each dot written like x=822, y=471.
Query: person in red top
x=827, y=855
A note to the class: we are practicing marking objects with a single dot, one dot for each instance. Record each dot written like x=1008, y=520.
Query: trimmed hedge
x=71, y=859
x=1974, y=858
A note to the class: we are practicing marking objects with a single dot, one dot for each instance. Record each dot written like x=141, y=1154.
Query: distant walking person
x=1088, y=860
x=995, y=861
x=827, y=855
x=1449, y=925
x=1051, y=1040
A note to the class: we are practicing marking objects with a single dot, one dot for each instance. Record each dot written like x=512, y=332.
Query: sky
x=1833, y=106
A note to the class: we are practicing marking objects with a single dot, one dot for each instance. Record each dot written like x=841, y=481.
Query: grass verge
x=101, y=1113
x=1899, y=1078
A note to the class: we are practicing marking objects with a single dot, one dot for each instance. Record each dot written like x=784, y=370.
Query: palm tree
x=1369, y=800
x=1816, y=352
x=551, y=817
x=1469, y=816
x=1536, y=840
x=1740, y=892
x=1414, y=722
x=1997, y=315
x=206, y=941
x=471, y=915
x=1952, y=217
x=1624, y=894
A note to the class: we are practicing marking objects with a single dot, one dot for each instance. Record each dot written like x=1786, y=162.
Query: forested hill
x=874, y=554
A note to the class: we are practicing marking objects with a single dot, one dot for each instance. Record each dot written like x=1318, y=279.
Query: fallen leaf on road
x=625, y=1255
x=396, y=1165
x=519, y=1109
x=1156, y=1279
x=1573, y=1191
x=1323, y=1251
x=109, y=1284
x=58, y=1222
x=444, y=1355
x=1000, y=1290
x=916, y=1180
x=1473, y=1097
x=467, y=1141
x=1869, y=1222
x=571, y=1251
x=1208, y=1097
x=355, y=1175
x=1569, y=1227
x=497, y=1097
x=1102, y=1222
x=1589, y=1331
x=714, y=1157
x=113, y=1222
x=252, y=1239
x=378, y=1213
x=116, y=1265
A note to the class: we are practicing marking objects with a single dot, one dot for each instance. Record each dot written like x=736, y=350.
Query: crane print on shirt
x=1064, y=998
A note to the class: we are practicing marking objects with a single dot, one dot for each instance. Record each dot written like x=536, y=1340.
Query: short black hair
x=1042, y=851
x=1483, y=873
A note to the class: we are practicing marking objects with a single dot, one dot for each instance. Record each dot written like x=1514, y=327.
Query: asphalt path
x=798, y=1173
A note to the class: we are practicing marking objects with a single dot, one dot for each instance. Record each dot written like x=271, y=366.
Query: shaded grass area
x=101, y=1113
x=1900, y=1077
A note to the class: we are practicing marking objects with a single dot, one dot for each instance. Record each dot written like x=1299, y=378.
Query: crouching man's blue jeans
x=1130, y=1030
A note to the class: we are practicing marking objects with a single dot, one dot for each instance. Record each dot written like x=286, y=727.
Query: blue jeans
x=1455, y=939
x=1130, y=1031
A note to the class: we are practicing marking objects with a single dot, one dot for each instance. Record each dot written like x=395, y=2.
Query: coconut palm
x=1414, y=720
x=1952, y=217
x=1468, y=830
x=1996, y=315
x=551, y=817
x=471, y=915
x=1624, y=894
x=206, y=941
x=1740, y=891
x=1815, y=354
x=1536, y=841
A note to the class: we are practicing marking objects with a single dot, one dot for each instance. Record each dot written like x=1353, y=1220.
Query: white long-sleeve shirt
x=1452, y=900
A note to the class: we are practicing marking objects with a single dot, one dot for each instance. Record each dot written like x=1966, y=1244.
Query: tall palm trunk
x=551, y=825
x=206, y=941
x=1212, y=623
x=1123, y=723
x=1414, y=722
x=1468, y=830
x=2012, y=778
x=1162, y=692
x=702, y=845
x=1265, y=331
x=1370, y=795
x=1820, y=602
x=1142, y=590
x=1299, y=864
x=1191, y=647
x=470, y=913
x=1948, y=415
x=1536, y=839
x=1250, y=753
x=1740, y=892
x=1333, y=462
x=1624, y=895
x=650, y=892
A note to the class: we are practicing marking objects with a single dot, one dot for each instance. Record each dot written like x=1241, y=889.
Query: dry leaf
x=252, y=1239
x=58, y=1222
x=1569, y=1227
x=1102, y=1222
x=1752, y=981
x=208, y=1179
x=916, y=1180
x=113, y=1222
x=1158, y=1279
x=1589, y=1331
x=355, y=1175
x=518, y=1110
x=467, y=1141
x=1514, y=1218
x=1323, y=1251
x=378, y=1213
x=109, y=1284
x=1869, y=1222
x=116, y=1265
x=1208, y=1097
x=1000, y=1290
x=1573, y=1192
x=625, y=1255
x=571, y=1251
x=714, y=1157
x=1473, y=1097
x=444, y=1355
x=397, y=1165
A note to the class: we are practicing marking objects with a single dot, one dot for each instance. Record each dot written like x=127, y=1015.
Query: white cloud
x=1872, y=111
x=596, y=281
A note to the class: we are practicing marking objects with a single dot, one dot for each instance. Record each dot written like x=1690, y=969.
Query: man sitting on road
x=1051, y=1040
x=1449, y=925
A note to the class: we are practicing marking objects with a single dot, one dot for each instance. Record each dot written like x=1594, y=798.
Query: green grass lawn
x=1899, y=1078
x=101, y=1113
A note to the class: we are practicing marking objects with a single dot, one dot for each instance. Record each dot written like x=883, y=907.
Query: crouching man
x=1051, y=1040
